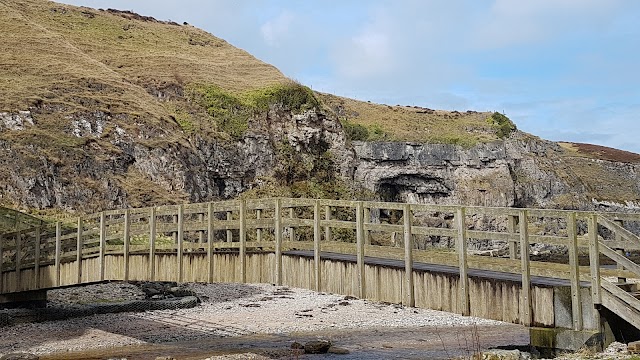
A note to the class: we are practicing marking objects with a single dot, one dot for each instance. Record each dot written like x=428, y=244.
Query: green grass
x=230, y=112
x=373, y=122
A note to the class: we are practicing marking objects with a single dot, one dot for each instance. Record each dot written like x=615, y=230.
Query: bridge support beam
x=34, y=298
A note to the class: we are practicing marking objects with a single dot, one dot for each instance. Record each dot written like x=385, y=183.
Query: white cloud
x=367, y=53
x=275, y=29
x=511, y=22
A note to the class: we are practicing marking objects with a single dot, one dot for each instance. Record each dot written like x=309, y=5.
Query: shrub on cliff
x=504, y=126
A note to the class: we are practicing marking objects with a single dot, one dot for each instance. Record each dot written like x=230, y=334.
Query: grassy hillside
x=373, y=122
x=81, y=59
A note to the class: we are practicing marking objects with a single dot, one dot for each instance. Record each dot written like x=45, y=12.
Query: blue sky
x=560, y=69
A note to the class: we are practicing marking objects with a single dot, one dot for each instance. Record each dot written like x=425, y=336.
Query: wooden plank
x=339, y=203
x=375, y=227
x=618, y=229
x=338, y=224
x=511, y=228
x=1, y=263
x=624, y=296
x=127, y=243
x=180, y=240
x=292, y=235
x=152, y=244
x=421, y=230
x=103, y=245
x=36, y=258
x=367, y=220
x=491, y=235
x=258, y=230
x=201, y=232
x=243, y=242
x=614, y=304
x=316, y=246
x=523, y=224
x=278, y=239
x=461, y=249
x=576, y=303
x=210, y=240
x=79, y=251
x=491, y=211
x=594, y=259
x=327, y=228
x=619, y=259
x=451, y=209
x=229, y=232
x=618, y=237
x=360, y=246
x=409, y=298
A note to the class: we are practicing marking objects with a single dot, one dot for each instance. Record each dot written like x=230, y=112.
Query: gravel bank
x=227, y=310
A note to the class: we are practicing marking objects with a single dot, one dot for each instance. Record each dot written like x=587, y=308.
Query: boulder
x=317, y=347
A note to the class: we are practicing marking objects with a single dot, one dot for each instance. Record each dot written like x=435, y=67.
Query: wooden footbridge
x=374, y=250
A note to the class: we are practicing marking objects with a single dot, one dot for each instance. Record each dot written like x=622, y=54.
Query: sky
x=564, y=70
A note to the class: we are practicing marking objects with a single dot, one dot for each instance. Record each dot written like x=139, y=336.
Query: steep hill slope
x=106, y=108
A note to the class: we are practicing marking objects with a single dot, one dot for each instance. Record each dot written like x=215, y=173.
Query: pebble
x=223, y=312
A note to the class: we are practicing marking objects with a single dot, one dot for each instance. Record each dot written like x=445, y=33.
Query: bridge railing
x=407, y=232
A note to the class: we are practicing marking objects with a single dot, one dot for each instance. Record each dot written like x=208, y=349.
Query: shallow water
x=382, y=343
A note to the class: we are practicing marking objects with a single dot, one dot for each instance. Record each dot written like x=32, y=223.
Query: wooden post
x=408, y=258
x=175, y=233
x=229, y=232
x=127, y=242
x=36, y=258
x=576, y=303
x=367, y=219
x=316, y=245
x=523, y=223
x=103, y=244
x=360, y=250
x=1, y=263
x=200, y=232
x=327, y=229
x=243, y=242
x=58, y=251
x=210, y=238
x=511, y=228
x=18, y=261
x=292, y=234
x=79, y=251
x=180, y=242
x=258, y=230
x=461, y=248
x=620, y=251
x=152, y=245
x=594, y=260
x=278, y=235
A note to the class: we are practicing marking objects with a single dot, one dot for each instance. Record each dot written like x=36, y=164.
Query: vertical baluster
x=210, y=238
x=278, y=235
x=461, y=247
x=408, y=257
x=525, y=314
x=58, y=252
x=152, y=244
x=243, y=242
x=362, y=291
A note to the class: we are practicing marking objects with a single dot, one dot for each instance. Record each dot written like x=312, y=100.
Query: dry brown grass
x=415, y=124
x=599, y=152
x=83, y=57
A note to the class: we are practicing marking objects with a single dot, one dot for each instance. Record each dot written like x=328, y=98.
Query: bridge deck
x=443, y=269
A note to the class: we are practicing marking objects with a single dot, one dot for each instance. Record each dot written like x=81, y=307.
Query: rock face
x=112, y=166
x=149, y=166
x=521, y=171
